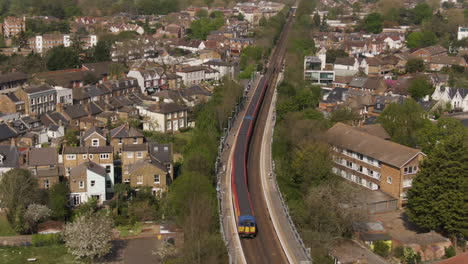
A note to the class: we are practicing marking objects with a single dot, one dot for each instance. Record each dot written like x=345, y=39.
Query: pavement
x=288, y=237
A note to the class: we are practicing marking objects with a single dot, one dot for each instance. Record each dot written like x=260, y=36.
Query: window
x=157, y=178
x=81, y=184
x=405, y=170
x=104, y=156
x=360, y=156
x=85, y=156
x=76, y=200
x=139, y=154
x=127, y=180
x=93, y=183
x=46, y=184
x=95, y=143
x=360, y=168
x=68, y=171
x=71, y=157
x=410, y=170
x=129, y=155
x=108, y=168
x=139, y=179
x=120, y=141
x=349, y=164
x=389, y=180
x=108, y=184
x=371, y=172
x=90, y=156
x=135, y=140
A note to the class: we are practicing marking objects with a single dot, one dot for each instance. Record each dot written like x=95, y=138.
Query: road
x=266, y=247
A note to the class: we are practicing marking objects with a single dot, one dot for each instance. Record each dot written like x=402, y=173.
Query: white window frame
x=81, y=184
x=130, y=155
x=90, y=156
x=71, y=157
x=139, y=179
x=93, y=141
x=104, y=156
x=389, y=180
x=158, y=177
x=85, y=156
x=139, y=154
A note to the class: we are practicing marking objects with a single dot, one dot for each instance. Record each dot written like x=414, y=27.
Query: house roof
x=388, y=152
x=372, y=83
x=338, y=94
x=10, y=156
x=93, y=130
x=53, y=118
x=142, y=163
x=375, y=130
x=85, y=150
x=38, y=89
x=358, y=82
x=75, y=111
x=191, y=69
x=124, y=132
x=6, y=132
x=85, y=166
x=166, y=108
x=345, y=61
x=13, y=98
x=135, y=147
x=42, y=156
x=349, y=251
x=101, y=68
x=448, y=60
x=13, y=77
x=160, y=152
x=459, y=259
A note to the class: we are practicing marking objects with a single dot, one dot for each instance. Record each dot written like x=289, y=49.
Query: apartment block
x=373, y=162
x=45, y=42
x=12, y=26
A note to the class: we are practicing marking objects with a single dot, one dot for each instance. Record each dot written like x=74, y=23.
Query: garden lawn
x=56, y=254
x=130, y=230
x=5, y=228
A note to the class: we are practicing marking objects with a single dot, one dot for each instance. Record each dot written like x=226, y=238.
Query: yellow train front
x=247, y=226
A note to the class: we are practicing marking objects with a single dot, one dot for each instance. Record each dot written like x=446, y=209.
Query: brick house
x=147, y=173
x=12, y=80
x=427, y=53
x=12, y=26
x=74, y=156
x=124, y=135
x=43, y=164
x=89, y=180
x=164, y=117
x=131, y=154
x=93, y=137
x=10, y=103
x=39, y=99
x=373, y=162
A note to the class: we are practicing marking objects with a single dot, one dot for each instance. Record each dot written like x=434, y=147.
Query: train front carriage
x=247, y=226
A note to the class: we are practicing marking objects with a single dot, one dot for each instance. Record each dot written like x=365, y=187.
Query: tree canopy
x=61, y=57
x=421, y=39
x=415, y=65
x=403, y=121
x=420, y=87
x=202, y=26
x=437, y=199
x=373, y=23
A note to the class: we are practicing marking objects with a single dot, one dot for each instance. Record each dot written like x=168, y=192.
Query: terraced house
x=39, y=99
x=373, y=162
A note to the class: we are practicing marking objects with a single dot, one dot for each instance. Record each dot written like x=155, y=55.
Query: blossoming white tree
x=89, y=235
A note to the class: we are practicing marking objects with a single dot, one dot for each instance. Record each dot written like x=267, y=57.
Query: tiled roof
x=42, y=156
x=124, y=132
x=85, y=150
x=388, y=152
x=161, y=152
x=6, y=132
x=134, y=147
x=93, y=130
x=10, y=156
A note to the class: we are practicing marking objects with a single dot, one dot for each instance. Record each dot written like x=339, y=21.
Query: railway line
x=249, y=199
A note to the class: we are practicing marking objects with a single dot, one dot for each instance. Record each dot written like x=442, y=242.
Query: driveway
x=140, y=250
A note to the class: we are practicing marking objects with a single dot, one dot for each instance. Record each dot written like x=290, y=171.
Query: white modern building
x=462, y=33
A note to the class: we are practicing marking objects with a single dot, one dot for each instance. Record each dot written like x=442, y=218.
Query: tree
x=262, y=22
x=373, y=23
x=433, y=133
x=34, y=214
x=58, y=201
x=201, y=13
x=317, y=20
x=437, y=199
x=450, y=252
x=421, y=12
x=344, y=115
x=332, y=54
x=18, y=189
x=71, y=137
x=421, y=39
x=102, y=51
x=415, y=65
x=89, y=235
x=381, y=248
x=402, y=122
x=420, y=87
x=61, y=57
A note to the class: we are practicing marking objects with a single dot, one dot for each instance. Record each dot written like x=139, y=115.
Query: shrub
x=381, y=248
x=450, y=252
x=39, y=240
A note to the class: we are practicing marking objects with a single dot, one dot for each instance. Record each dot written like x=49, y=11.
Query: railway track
x=265, y=247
